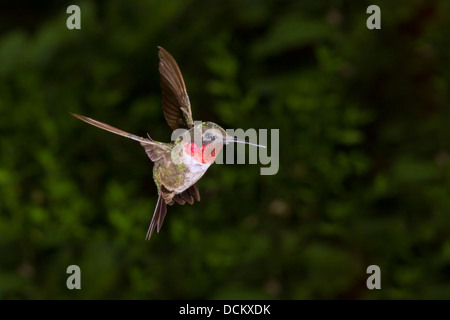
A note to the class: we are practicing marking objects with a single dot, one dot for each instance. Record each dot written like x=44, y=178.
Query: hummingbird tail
x=188, y=195
x=158, y=217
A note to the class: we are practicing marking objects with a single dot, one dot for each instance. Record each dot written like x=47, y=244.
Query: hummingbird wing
x=153, y=148
x=175, y=100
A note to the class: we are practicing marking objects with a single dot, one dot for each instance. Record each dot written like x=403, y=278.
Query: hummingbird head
x=206, y=141
x=212, y=139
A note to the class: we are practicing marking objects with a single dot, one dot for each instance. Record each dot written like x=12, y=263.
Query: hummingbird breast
x=178, y=175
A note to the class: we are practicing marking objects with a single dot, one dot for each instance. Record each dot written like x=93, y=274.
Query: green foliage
x=364, y=150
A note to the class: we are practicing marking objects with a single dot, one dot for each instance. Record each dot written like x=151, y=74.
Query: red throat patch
x=203, y=154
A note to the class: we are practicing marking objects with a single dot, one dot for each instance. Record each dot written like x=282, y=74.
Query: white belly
x=197, y=170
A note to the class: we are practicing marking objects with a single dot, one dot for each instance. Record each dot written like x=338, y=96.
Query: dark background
x=364, y=150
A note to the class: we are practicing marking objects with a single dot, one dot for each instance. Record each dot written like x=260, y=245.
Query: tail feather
x=158, y=217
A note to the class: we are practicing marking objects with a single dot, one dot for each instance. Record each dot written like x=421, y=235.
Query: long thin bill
x=245, y=142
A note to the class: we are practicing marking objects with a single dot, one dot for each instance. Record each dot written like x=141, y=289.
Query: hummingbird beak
x=229, y=139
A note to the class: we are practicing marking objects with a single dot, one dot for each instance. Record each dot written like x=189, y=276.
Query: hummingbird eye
x=209, y=136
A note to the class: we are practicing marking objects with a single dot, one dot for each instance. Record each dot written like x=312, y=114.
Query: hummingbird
x=180, y=164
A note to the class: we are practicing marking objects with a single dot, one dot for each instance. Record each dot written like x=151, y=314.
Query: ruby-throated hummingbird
x=177, y=165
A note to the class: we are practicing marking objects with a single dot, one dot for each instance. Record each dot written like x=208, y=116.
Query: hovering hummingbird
x=180, y=164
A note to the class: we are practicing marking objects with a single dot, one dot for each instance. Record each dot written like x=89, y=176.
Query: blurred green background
x=364, y=150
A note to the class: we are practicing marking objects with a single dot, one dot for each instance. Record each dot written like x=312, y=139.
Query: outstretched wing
x=154, y=149
x=175, y=100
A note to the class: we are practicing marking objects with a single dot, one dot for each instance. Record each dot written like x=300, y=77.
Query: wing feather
x=175, y=100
